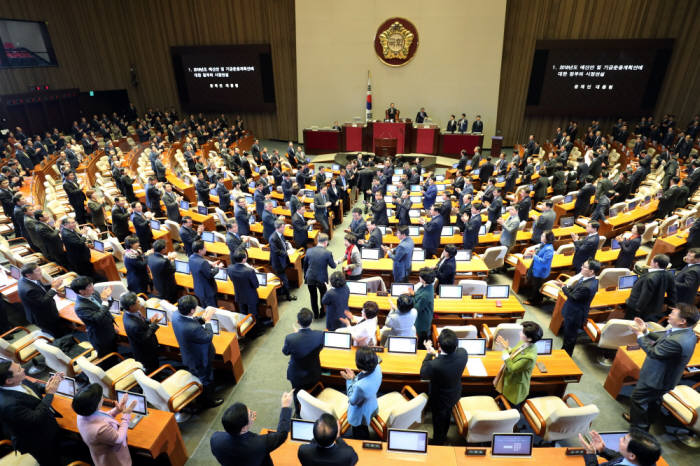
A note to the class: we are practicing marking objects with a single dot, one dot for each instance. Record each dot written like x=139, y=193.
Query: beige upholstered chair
x=470, y=287
x=230, y=321
x=608, y=277
x=328, y=400
x=398, y=411
x=59, y=361
x=552, y=419
x=173, y=393
x=21, y=349
x=683, y=402
x=650, y=230
x=462, y=331
x=509, y=331
x=614, y=334
x=118, y=377
x=494, y=257
x=478, y=417
x=15, y=458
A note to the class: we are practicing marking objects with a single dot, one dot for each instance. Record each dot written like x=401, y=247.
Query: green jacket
x=516, y=381
x=423, y=301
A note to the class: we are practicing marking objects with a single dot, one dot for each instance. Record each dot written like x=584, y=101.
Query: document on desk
x=475, y=367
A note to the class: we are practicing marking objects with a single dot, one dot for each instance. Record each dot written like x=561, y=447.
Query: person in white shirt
x=363, y=329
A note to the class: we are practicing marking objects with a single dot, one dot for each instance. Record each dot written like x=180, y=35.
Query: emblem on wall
x=396, y=41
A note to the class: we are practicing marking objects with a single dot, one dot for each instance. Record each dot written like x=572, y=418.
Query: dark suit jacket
x=304, y=346
x=52, y=242
x=143, y=230
x=649, y=294
x=39, y=305
x=628, y=250
x=279, y=260
x=142, y=338
x=470, y=237
x=402, y=208
x=336, y=303
x=242, y=219
x=268, y=221
x=163, y=273
x=301, y=233
x=188, y=236
x=494, y=209
x=99, y=323
x=524, y=208
x=431, y=233
x=445, y=375
x=120, y=222
x=687, y=281
x=203, y=277
x=585, y=249
x=667, y=357
x=339, y=454
x=233, y=242
x=446, y=270
x=578, y=302
x=250, y=449
x=486, y=171
x=77, y=252
x=195, y=344
x=583, y=199
x=316, y=263
x=172, y=208
x=30, y=421
x=375, y=239
x=245, y=284
x=153, y=197
x=76, y=197
x=379, y=212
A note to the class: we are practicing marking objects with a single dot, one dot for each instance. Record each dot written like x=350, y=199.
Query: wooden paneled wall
x=96, y=42
x=530, y=20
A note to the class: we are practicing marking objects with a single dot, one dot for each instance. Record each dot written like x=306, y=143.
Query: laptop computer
x=70, y=294
x=447, y=231
x=114, y=308
x=216, y=330
x=15, y=272
x=407, y=441
x=614, y=244
x=626, y=281
x=201, y=210
x=208, y=236
x=140, y=409
x=473, y=346
x=359, y=288
x=184, y=205
x=66, y=387
x=450, y=292
x=482, y=230
x=397, y=289
x=337, y=340
x=544, y=346
x=413, y=231
x=99, y=246
x=517, y=445
x=498, y=291
x=155, y=225
x=404, y=345
x=568, y=198
x=414, y=213
x=221, y=275
x=182, y=267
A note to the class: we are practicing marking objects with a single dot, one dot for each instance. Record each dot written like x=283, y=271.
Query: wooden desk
x=463, y=311
x=453, y=143
x=104, y=264
x=187, y=190
x=561, y=262
x=622, y=222
x=603, y=299
x=321, y=141
x=668, y=245
x=401, y=369
x=225, y=344
x=157, y=433
x=10, y=290
x=259, y=256
x=267, y=294
x=257, y=228
x=384, y=266
x=627, y=364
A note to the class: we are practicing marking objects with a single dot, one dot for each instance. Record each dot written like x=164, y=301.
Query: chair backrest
x=53, y=356
x=566, y=422
x=154, y=391
x=462, y=331
x=557, y=199
x=312, y=407
x=616, y=333
x=222, y=216
x=254, y=242
x=95, y=374
x=118, y=288
x=174, y=230
x=667, y=223
x=374, y=284
x=608, y=277
x=470, y=287
x=566, y=249
x=510, y=332
x=649, y=231
x=484, y=423
x=408, y=413
x=493, y=257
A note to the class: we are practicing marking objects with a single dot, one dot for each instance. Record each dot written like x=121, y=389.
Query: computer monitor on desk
x=155, y=225
x=184, y=205
x=262, y=279
x=473, y=346
x=517, y=445
x=99, y=246
x=413, y=231
x=182, y=267
x=407, y=441
x=370, y=254
x=626, y=281
x=302, y=431
x=418, y=255
x=463, y=255
x=450, y=291
x=403, y=345
x=359, y=288
x=566, y=222
x=497, y=291
x=544, y=346
x=397, y=289
x=337, y=340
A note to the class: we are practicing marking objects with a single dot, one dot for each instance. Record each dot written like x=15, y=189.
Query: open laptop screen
x=182, y=267
x=407, y=441
x=497, y=291
x=402, y=345
x=370, y=254
x=473, y=346
x=450, y=291
x=463, y=255
x=511, y=445
x=397, y=289
x=337, y=340
x=626, y=281
x=544, y=346
x=357, y=287
x=302, y=431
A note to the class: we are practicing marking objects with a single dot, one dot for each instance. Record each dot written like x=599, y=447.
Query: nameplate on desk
x=377, y=349
x=475, y=451
x=633, y=347
x=575, y=451
x=372, y=445
x=477, y=296
x=382, y=293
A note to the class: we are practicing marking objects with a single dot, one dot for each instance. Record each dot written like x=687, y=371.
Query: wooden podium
x=496, y=144
x=385, y=147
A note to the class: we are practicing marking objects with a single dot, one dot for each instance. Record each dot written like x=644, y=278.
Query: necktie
x=30, y=392
x=668, y=332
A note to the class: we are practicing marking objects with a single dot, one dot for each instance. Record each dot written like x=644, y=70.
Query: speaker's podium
x=389, y=138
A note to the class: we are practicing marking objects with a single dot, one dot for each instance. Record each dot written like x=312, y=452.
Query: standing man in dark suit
x=358, y=226
x=651, y=291
x=25, y=410
x=163, y=271
x=586, y=248
x=431, y=232
x=120, y=219
x=544, y=222
x=153, y=197
x=233, y=240
x=524, y=205
x=37, y=299
x=403, y=206
x=140, y=332
x=401, y=255
x=494, y=208
x=478, y=125
x=224, y=194
x=245, y=283
x=268, y=220
x=242, y=216
x=203, y=275
x=321, y=204
x=472, y=225
x=629, y=247
x=301, y=227
x=446, y=209
x=316, y=263
x=583, y=197
x=279, y=259
x=447, y=266
x=189, y=235
x=304, y=346
x=378, y=208
x=93, y=309
x=172, y=204
x=688, y=278
x=540, y=187
x=327, y=448
x=444, y=370
x=76, y=197
x=77, y=250
x=486, y=171
x=421, y=116
x=375, y=237
x=142, y=225
x=194, y=335
x=50, y=238
x=578, y=303
x=239, y=446
x=667, y=355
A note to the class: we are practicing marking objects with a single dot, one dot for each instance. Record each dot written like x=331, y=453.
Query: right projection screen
x=597, y=77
